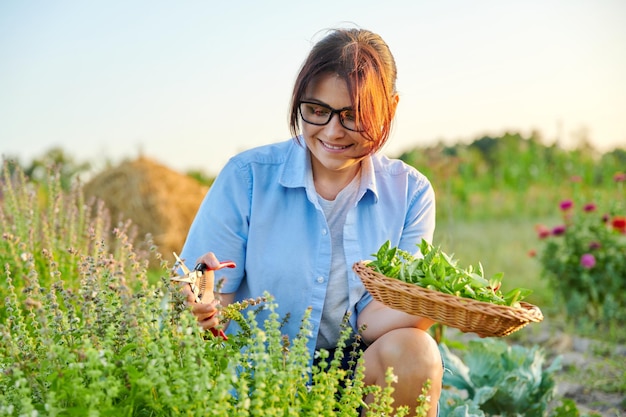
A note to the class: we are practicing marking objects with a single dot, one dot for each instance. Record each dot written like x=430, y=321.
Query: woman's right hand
x=206, y=314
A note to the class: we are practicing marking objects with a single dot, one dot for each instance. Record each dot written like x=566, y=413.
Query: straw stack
x=156, y=199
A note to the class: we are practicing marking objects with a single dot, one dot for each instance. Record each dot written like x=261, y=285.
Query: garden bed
x=593, y=371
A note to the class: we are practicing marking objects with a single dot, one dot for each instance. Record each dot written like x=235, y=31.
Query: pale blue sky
x=190, y=83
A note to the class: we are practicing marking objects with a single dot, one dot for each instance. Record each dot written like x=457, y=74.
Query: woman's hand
x=207, y=314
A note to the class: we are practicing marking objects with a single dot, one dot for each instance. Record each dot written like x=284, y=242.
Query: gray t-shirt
x=336, y=302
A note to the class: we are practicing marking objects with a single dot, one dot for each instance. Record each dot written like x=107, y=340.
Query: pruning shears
x=201, y=281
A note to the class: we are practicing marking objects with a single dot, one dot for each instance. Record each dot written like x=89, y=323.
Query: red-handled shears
x=201, y=281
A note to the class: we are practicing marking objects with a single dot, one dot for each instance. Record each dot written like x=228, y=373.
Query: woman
x=294, y=216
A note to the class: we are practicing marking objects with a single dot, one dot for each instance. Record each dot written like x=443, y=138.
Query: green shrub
x=584, y=257
x=83, y=333
x=46, y=232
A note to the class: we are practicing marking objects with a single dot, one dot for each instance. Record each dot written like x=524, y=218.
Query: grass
x=500, y=246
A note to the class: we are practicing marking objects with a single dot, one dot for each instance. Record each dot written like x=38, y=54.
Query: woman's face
x=334, y=149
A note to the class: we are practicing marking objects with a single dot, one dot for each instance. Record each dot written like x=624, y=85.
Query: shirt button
x=324, y=232
x=320, y=279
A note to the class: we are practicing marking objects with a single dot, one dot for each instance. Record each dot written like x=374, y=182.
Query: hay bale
x=156, y=199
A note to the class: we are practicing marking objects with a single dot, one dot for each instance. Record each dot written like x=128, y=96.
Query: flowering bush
x=584, y=257
x=83, y=333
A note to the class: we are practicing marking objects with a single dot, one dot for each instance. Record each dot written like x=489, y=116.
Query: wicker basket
x=467, y=315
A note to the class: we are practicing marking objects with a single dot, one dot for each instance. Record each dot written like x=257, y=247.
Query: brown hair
x=364, y=61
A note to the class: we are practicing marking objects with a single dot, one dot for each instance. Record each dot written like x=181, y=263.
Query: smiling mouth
x=334, y=147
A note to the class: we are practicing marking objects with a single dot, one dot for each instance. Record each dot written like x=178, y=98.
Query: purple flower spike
x=566, y=205
x=587, y=261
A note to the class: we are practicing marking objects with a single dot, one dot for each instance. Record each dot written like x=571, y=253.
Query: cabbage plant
x=494, y=378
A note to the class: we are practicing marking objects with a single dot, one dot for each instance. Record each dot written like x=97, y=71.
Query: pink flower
x=542, y=231
x=532, y=253
x=619, y=177
x=589, y=207
x=558, y=230
x=575, y=178
x=587, y=261
x=566, y=205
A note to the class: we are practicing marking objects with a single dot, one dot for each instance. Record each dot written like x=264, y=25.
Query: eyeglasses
x=320, y=114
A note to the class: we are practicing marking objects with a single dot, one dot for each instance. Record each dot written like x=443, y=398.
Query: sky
x=191, y=83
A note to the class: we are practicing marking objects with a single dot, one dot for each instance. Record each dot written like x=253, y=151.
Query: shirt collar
x=368, y=179
x=297, y=166
x=297, y=170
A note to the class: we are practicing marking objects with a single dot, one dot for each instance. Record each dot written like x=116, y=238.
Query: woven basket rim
x=515, y=317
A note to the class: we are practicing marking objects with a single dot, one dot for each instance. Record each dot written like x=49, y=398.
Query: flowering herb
x=438, y=271
x=584, y=257
x=83, y=333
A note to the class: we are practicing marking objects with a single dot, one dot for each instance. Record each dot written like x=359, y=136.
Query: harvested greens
x=438, y=271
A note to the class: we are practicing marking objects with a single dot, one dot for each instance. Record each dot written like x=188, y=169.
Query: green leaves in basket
x=438, y=271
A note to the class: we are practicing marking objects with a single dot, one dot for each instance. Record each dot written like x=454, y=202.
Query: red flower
x=566, y=205
x=558, y=230
x=532, y=253
x=619, y=177
x=619, y=224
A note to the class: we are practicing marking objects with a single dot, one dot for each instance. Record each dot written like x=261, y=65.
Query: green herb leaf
x=437, y=270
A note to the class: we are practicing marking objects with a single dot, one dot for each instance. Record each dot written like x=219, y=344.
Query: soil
x=585, y=365
x=588, y=366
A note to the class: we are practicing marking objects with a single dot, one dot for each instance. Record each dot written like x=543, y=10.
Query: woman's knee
x=408, y=350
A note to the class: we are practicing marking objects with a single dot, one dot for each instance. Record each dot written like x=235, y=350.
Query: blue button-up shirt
x=262, y=212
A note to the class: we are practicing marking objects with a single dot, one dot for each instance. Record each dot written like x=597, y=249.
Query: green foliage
x=82, y=332
x=55, y=247
x=568, y=408
x=496, y=177
x=584, y=257
x=498, y=379
x=502, y=245
x=438, y=271
x=54, y=159
x=47, y=232
x=201, y=177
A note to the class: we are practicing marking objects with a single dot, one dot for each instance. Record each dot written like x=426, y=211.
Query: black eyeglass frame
x=331, y=114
